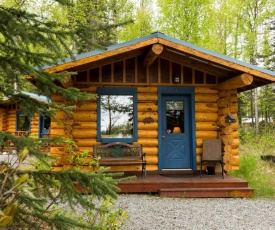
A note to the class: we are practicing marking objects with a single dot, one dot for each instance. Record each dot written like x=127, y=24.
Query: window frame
x=120, y=92
x=18, y=113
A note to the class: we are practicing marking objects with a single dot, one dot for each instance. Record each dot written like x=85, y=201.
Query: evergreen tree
x=38, y=198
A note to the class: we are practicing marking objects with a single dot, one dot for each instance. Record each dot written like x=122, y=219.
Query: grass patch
x=259, y=174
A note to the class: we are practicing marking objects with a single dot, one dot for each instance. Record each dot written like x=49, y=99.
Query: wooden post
x=153, y=54
x=236, y=82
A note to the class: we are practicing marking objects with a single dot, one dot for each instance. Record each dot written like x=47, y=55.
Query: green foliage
x=43, y=199
x=142, y=24
x=30, y=41
x=260, y=174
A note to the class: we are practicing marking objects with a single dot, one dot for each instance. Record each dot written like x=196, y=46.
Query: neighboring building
x=163, y=93
x=14, y=121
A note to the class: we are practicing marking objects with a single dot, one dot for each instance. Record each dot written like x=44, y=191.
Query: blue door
x=176, y=147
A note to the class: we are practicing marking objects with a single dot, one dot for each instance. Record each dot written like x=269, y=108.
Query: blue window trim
x=116, y=91
x=17, y=122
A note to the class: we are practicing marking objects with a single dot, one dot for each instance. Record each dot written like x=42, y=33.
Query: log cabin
x=13, y=120
x=158, y=91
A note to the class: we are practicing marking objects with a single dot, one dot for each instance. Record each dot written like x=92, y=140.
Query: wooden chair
x=212, y=153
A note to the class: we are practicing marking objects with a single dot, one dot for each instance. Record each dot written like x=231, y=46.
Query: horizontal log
x=143, y=134
x=11, y=123
x=227, y=130
x=56, y=98
x=221, y=121
x=151, y=159
x=149, y=97
x=11, y=112
x=206, y=117
x=142, y=116
x=87, y=107
x=57, y=151
x=235, y=144
x=206, y=107
x=235, y=152
x=147, y=142
x=85, y=125
x=84, y=133
x=147, y=89
x=234, y=98
x=206, y=98
x=235, y=134
x=206, y=90
x=80, y=150
x=147, y=126
x=59, y=115
x=199, y=151
x=57, y=132
x=150, y=151
x=233, y=107
x=236, y=82
x=227, y=158
x=227, y=148
x=206, y=126
x=224, y=93
x=90, y=89
x=86, y=142
x=198, y=142
x=81, y=116
x=206, y=134
x=227, y=139
x=224, y=111
x=56, y=125
x=235, y=161
x=223, y=102
x=147, y=107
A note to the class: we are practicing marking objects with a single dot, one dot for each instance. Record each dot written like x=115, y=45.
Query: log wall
x=211, y=105
x=3, y=119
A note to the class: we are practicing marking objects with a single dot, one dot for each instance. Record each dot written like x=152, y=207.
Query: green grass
x=259, y=174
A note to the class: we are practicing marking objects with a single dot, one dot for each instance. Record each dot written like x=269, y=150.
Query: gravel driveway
x=152, y=212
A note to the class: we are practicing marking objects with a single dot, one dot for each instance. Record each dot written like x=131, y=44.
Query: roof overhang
x=223, y=66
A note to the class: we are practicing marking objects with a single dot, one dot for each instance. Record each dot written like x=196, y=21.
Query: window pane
x=175, y=116
x=117, y=116
x=23, y=123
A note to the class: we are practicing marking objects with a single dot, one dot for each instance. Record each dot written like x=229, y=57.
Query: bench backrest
x=118, y=151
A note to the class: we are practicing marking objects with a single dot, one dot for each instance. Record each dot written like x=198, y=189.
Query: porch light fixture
x=229, y=119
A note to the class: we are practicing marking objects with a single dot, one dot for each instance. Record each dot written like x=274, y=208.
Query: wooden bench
x=119, y=153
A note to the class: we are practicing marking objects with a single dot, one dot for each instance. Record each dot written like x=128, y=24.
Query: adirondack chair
x=212, y=153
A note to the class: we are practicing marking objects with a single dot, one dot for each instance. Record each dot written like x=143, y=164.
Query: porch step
x=233, y=192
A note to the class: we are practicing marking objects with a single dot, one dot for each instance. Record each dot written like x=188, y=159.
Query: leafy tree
x=142, y=21
x=183, y=19
x=37, y=198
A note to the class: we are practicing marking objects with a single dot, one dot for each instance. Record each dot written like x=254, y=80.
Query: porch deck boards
x=182, y=184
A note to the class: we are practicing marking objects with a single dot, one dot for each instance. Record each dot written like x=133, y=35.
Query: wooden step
x=236, y=192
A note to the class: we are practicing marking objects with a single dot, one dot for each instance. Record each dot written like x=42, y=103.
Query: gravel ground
x=152, y=212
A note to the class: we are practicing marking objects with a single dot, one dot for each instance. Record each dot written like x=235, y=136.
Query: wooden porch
x=179, y=184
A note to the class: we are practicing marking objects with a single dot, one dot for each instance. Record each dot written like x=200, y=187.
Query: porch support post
x=154, y=52
x=236, y=82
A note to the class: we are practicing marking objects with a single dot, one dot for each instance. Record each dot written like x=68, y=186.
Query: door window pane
x=175, y=116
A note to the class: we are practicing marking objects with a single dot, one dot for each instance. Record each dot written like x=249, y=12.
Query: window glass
x=23, y=122
x=117, y=115
x=175, y=116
